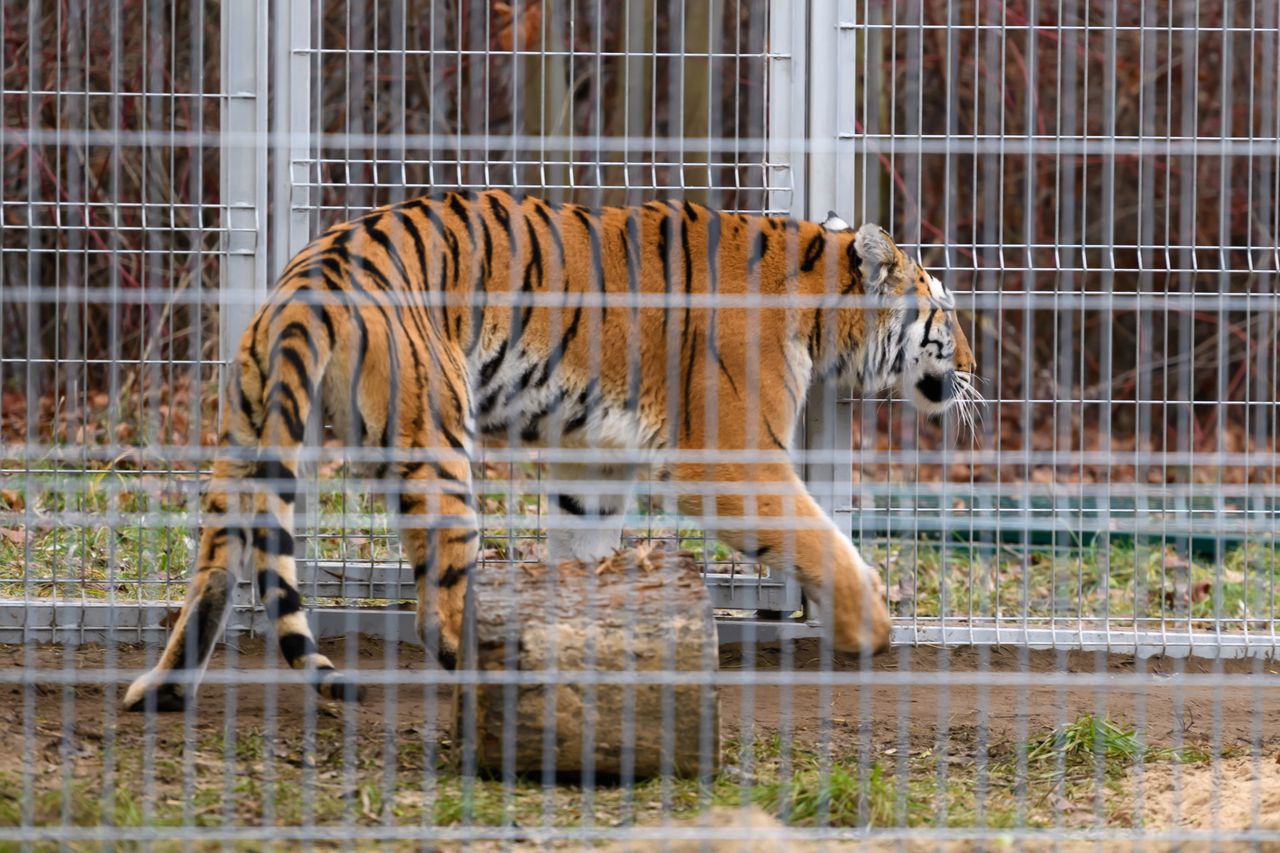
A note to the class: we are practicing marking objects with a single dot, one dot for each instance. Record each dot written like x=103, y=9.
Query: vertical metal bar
x=289, y=222
x=787, y=69
x=243, y=167
x=827, y=432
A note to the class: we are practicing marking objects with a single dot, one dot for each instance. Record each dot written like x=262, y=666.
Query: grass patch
x=130, y=535
x=1090, y=743
x=272, y=779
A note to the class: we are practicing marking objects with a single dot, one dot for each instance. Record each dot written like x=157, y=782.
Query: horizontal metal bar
x=48, y=454
x=1007, y=300
x=1073, y=144
x=842, y=676
x=99, y=622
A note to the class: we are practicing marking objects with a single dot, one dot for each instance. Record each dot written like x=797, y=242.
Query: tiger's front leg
x=441, y=539
x=588, y=506
x=776, y=522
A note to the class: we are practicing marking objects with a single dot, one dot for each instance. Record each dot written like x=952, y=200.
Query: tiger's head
x=915, y=343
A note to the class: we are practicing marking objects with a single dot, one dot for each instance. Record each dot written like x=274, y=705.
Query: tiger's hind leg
x=277, y=581
x=204, y=614
x=441, y=538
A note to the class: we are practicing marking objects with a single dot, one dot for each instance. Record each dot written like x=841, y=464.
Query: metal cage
x=1083, y=586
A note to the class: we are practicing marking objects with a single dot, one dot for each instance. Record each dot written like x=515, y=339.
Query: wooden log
x=638, y=611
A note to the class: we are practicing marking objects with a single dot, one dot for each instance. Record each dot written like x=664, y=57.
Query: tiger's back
x=574, y=325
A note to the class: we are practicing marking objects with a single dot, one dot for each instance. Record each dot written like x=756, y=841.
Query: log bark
x=640, y=611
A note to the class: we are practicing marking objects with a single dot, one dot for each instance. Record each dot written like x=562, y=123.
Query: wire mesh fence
x=1081, y=581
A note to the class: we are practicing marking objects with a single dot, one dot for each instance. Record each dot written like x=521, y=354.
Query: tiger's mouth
x=935, y=394
x=938, y=389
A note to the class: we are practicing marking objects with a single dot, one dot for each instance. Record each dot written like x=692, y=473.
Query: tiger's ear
x=833, y=222
x=879, y=254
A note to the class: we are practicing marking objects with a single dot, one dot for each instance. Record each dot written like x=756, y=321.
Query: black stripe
x=724, y=371
x=294, y=358
x=755, y=553
x=586, y=405
x=490, y=367
x=283, y=481
x=367, y=266
x=273, y=541
x=286, y=603
x=201, y=630
x=454, y=575
x=553, y=228
x=464, y=538
x=322, y=314
x=570, y=504
x=487, y=403
x=216, y=538
x=631, y=249
x=459, y=209
x=455, y=255
x=503, y=216
x=242, y=400
x=688, y=379
x=815, y=336
x=557, y=354
x=813, y=252
x=376, y=234
x=597, y=261
x=688, y=268
x=297, y=646
x=773, y=435
x=530, y=431
x=280, y=395
x=299, y=330
x=663, y=246
x=521, y=384
x=533, y=270
x=688, y=264
x=407, y=223
x=477, y=310
x=410, y=501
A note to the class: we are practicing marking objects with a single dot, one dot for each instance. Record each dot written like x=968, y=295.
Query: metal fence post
x=829, y=186
x=243, y=167
x=291, y=162
x=787, y=109
x=243, y=179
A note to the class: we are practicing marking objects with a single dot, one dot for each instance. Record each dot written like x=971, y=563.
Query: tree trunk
x=640, y=611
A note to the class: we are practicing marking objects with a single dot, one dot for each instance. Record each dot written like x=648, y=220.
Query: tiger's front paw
x=861, y=618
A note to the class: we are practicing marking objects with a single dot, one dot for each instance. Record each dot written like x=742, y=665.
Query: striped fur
x=425, y=327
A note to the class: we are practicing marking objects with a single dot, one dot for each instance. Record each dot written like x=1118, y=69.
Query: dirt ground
x=958, y=730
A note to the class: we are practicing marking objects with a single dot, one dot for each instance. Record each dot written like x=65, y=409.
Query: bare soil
x=919, y=710
x=65, y=734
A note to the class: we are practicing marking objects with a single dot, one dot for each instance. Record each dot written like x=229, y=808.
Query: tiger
x=425, y=328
